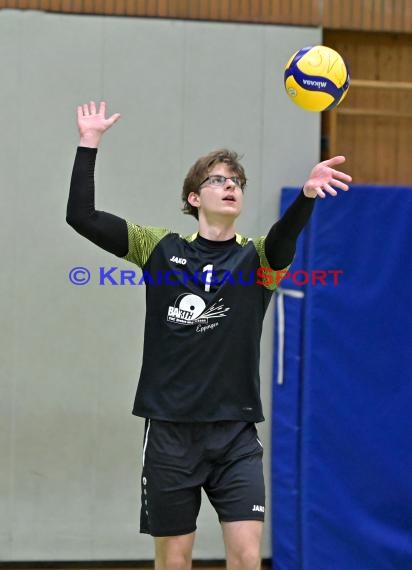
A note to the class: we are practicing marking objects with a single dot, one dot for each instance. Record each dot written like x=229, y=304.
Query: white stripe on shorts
x=146, y=439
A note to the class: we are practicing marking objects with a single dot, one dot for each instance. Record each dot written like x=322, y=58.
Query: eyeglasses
x=220, y=180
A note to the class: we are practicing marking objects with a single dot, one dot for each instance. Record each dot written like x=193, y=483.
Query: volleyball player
x=199, y=383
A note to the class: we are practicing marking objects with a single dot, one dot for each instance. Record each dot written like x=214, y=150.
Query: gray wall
x=70, y=356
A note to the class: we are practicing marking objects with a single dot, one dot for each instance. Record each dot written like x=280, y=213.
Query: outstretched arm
x=105, y=230
x=280, y=243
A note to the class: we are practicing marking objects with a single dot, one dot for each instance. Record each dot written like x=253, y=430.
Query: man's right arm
x=105, y=230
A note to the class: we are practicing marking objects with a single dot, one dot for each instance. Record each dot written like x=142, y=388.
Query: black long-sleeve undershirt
x=280, y=243
x=110, y=232
x=105, y=230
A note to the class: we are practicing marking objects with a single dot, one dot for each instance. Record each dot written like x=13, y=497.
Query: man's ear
x=194, y=199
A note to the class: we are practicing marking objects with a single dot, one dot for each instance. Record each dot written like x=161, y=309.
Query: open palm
x=92, y=123
x=325, y=178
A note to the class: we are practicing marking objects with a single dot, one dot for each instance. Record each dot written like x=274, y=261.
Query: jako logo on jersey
x=178, y=260
x=191, y=309
x=258, y=508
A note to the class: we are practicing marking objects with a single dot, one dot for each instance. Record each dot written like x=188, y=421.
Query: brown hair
x=200, y=170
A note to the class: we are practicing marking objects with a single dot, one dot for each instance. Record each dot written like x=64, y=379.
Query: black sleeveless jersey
x=205, y=304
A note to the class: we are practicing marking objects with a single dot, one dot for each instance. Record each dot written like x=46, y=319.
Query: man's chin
x=230, y=213
x=226, y=217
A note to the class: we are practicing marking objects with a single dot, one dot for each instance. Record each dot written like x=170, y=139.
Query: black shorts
x=179, y=459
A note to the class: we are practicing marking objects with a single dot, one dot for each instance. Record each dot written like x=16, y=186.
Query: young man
x=199, y=383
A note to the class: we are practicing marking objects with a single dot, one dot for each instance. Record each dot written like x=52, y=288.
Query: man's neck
x=216, y=231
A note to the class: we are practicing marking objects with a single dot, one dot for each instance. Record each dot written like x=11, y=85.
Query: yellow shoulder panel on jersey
x=142, y=241
x=190, y=238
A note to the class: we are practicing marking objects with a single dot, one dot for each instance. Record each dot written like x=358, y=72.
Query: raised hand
x=324, y=177
x=92, y=123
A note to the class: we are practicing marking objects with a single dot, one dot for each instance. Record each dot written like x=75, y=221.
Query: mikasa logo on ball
x=315, y=83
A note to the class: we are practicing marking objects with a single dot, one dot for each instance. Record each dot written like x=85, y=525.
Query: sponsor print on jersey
x=190, y=309
x=178, y=260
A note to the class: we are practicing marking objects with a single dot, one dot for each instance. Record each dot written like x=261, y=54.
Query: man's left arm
x=280, y=243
